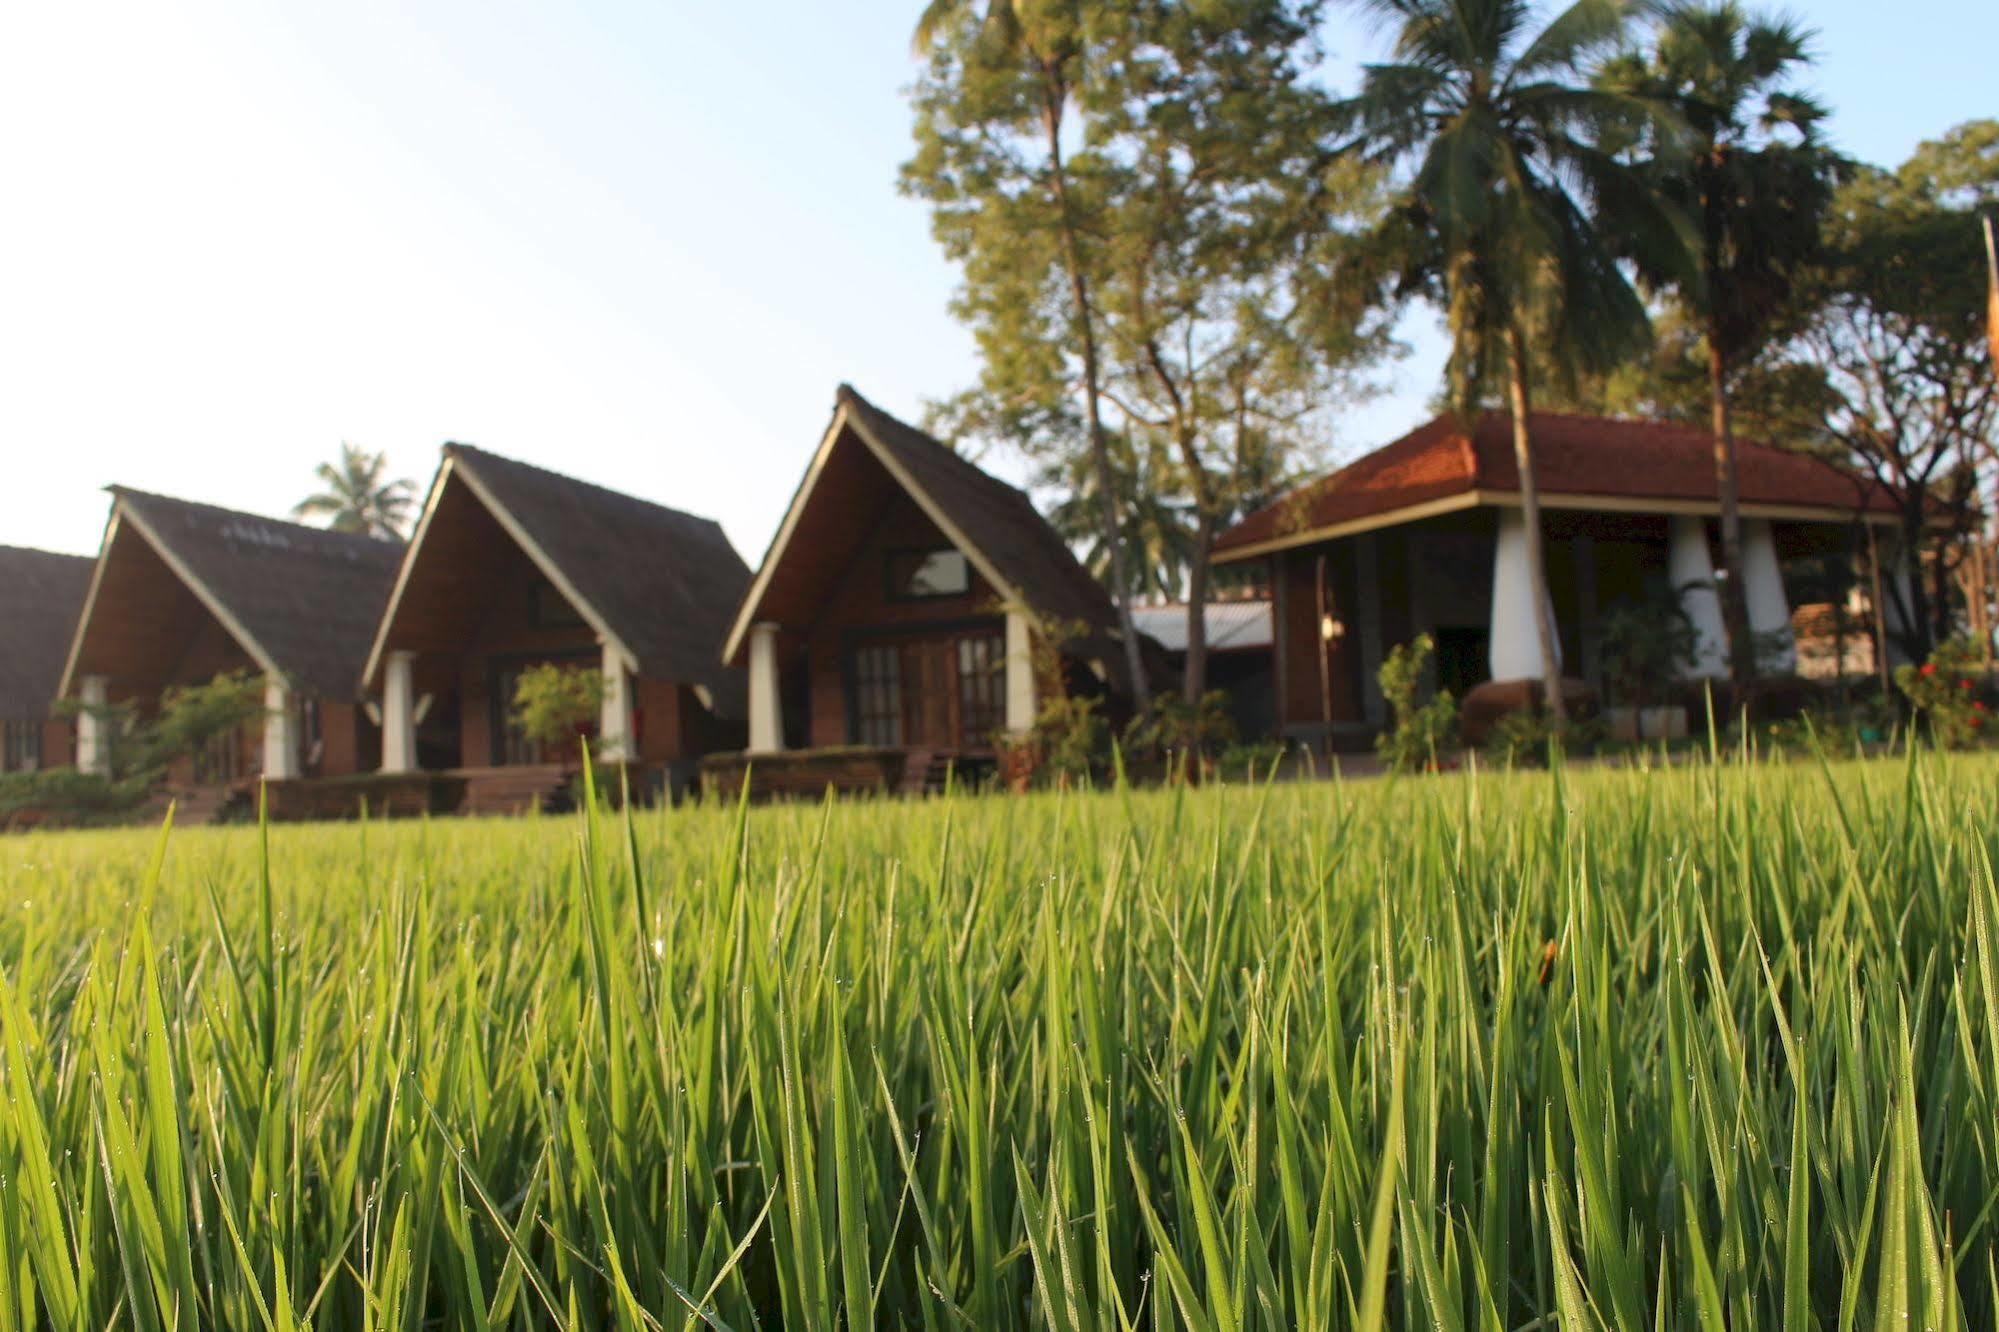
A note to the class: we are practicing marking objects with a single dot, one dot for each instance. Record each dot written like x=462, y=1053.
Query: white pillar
x=1021, y=703
x=93, y=729
x=280, y=739
x=1691, y=571
x=398, y=721
x=766, y=700
x=1763, y=592
x=615, y=741
x=1514, y=649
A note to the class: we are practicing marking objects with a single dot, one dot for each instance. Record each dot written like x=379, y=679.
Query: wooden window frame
x=895, y=590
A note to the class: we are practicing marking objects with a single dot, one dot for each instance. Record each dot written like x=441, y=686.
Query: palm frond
x=1586, y=29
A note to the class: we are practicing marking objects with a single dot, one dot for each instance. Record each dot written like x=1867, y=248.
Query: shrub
x=1420, y=732
x=1806, y=734
x=66, y=797
x=1174, y=726
x=1526, y=738
x=1069, y=735
x=555, y=705
x=1944, y=693
x=1252, y=759
x=191, y=717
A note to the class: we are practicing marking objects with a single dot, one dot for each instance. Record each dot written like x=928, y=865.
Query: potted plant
x=1642, y=649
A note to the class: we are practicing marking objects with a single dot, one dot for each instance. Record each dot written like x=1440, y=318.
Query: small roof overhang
x=1555, y=501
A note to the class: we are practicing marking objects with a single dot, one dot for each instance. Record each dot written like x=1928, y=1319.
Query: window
x=23, y=751
x=981, y=687
x=916, y=574
x=878, y=694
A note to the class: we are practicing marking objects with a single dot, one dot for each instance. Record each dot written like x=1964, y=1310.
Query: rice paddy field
x=1715, y=1047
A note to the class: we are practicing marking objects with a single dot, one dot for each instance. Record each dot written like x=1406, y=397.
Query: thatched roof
x=41, y=594
x=300, y=601
x=657, y=582
x=1002, y=533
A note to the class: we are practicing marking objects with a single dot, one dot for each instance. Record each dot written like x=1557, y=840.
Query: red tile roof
x=1573, y=455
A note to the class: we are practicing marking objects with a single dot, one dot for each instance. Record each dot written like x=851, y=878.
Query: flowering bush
x=1944, y=693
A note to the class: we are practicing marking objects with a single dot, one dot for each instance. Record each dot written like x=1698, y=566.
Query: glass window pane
x=929, y=573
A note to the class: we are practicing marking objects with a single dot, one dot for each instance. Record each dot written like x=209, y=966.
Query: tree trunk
x=1734, y=598
x=1100, y=453
x=1920, y=639
x=1530, y=508
x=1194, y=679
x=1879, y=581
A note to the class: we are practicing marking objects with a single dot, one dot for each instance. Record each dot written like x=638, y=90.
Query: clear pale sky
x=639, y=243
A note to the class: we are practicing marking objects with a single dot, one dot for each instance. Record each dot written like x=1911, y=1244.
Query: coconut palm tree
x=1506, y=152
x=1756, y=181
x=358, y=497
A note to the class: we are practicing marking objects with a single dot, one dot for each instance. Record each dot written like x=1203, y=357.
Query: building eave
x=1557, y=500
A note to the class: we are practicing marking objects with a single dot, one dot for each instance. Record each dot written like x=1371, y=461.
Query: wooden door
x=927, y=694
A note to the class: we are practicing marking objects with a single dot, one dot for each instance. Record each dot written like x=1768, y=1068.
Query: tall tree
x=1896, y=326
x=1505, y=147
x=1223, y=222
x=1754, y=179
x=359, y=496
x=995, y=109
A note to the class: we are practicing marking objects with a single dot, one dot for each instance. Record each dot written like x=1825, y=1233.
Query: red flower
x=1929, y=668
x=1977, y=705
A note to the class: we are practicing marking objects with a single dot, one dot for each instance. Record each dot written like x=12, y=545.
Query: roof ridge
x=6, y=548
x=355, y=538
x=847, y=393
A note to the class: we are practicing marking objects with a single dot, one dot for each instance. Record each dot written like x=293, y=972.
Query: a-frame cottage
x=41, y=594
x=182, y=592
x=512, y=566
x=891, y=628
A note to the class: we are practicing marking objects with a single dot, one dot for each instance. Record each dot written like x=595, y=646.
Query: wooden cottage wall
x=858, y=600
x=509, y=633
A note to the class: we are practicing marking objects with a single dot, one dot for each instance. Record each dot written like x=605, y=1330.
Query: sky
x=640, y=243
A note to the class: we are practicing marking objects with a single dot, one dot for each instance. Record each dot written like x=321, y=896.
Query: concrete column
x=766, y=698
x=280, y=735
x=93, y=731
x=1022, y=704
x=1763, y=592
x=617, y=738
x=398, y=713
x=1513, y=651
x=1691, y=571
